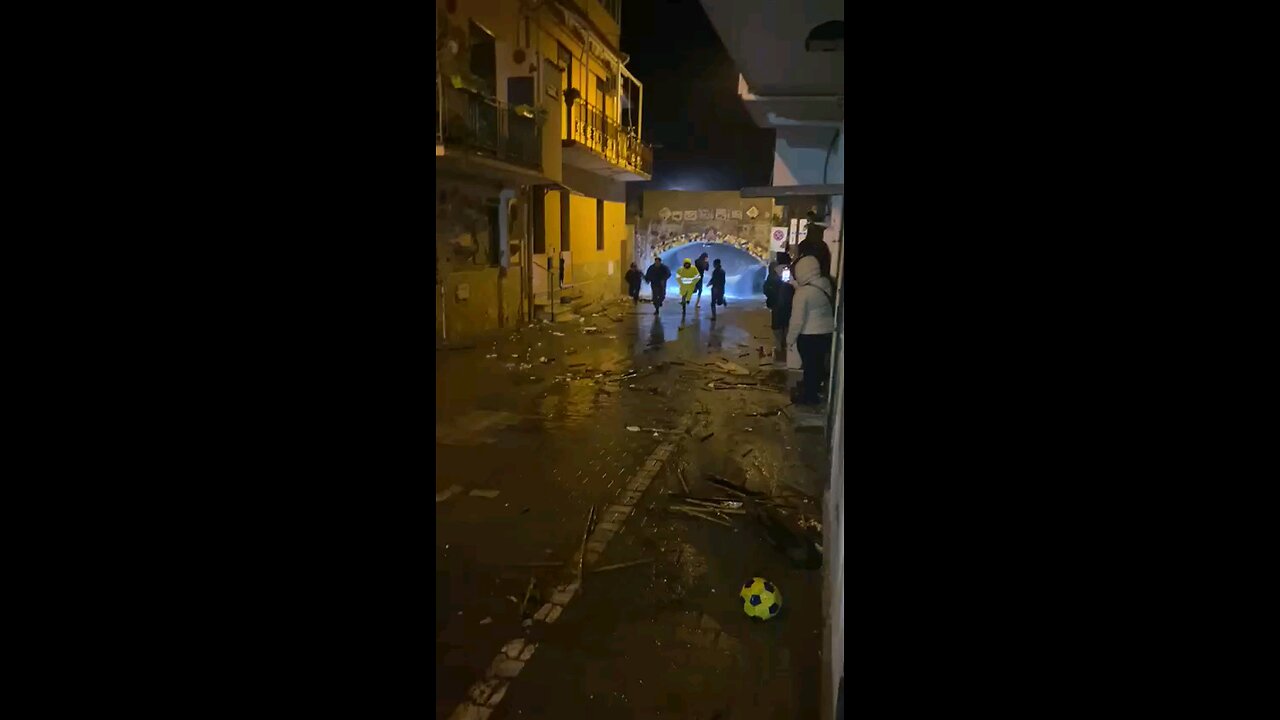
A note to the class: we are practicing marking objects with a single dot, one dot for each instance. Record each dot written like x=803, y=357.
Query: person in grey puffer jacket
x=813, y=320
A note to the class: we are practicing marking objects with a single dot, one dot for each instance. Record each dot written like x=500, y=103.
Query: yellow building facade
x=538, y=129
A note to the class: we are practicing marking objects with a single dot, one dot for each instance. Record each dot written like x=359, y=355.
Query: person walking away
x=783, y=294
x=701, y=265
x=634, y=279
x=717, y=288
x=687, y=276
x=771, y=285
x=812, y=322
x=657, y=276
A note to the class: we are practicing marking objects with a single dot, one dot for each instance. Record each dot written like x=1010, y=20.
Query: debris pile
x=792, y=531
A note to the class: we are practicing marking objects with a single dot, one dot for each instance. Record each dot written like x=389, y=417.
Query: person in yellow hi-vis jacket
x=688, y=277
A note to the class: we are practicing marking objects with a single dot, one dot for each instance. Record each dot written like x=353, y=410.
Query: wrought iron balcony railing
x=468, y=119
x=591, y=127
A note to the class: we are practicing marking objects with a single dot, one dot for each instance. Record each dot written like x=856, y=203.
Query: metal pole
x=640, y=117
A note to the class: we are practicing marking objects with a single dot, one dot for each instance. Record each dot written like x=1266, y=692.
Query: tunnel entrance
x=744, y=273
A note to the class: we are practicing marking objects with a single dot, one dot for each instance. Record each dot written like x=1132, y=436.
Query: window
x=600, y=94
x=599, y=224
x=564, y=222
x=484, y=58
x=566, y=61
x=495, y=237
x=539, y=222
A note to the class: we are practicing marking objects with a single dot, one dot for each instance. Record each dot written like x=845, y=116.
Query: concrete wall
x=494, y=302
x=588, y=183
x=834, y=236
x=596, y=271
x=833, y=505
x=800, y=154
x=609, y=27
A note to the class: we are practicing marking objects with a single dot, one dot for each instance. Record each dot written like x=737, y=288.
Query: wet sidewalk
x=543, y=437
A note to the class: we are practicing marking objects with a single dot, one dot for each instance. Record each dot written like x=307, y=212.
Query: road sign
x=778, y=239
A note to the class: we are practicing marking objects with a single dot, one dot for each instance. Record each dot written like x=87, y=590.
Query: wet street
x=537, y=426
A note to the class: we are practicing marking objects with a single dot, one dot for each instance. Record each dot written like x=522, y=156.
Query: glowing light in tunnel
x=744, y=272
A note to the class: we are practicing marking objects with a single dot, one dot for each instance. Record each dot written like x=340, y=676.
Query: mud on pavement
x=681, y=437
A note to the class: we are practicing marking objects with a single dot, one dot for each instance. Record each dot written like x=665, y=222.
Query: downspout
x=830, y=149
x=527, y=250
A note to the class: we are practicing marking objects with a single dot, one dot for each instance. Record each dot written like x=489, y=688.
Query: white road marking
x=486, y=694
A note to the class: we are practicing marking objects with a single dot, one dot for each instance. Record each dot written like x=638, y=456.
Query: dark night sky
x=691, y=104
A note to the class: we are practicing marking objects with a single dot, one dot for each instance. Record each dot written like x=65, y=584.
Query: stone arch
x=667, y=242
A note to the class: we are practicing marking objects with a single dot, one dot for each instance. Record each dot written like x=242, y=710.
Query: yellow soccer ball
x=760, y=598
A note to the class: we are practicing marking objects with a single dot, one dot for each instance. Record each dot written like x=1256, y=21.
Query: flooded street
x=539, y=425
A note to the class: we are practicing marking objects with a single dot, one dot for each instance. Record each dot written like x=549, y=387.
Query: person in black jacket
x=634, y=278
x=771, y=285
x=781, y=316
x=717, y=288
x=657, y=276
x=701, y=265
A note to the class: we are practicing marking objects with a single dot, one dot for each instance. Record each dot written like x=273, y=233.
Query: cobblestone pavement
x=548, y=431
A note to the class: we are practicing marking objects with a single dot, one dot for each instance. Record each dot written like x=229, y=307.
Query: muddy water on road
x=551, y=437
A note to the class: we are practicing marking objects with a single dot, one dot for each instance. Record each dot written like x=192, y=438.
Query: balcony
x=485, y=135
x=598, y=144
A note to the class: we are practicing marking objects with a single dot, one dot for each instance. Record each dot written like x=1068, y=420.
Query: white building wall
x=833, y=236
x=796, y=164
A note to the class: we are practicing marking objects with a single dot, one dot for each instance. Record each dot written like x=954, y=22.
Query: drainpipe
x=504, y=245
x=526, y=250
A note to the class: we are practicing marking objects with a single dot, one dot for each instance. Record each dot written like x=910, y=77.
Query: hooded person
x=811, y=324
x=634, y=278
x=657, y=276
x=687, y=276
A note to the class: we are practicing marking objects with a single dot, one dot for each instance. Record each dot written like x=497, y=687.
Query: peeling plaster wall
x=465, y=257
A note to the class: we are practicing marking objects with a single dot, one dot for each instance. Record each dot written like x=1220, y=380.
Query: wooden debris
x=695, y=513
x=616, y=566
x=710, y=506
x=732, y=487
x=582, y=553
x=527, y=591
